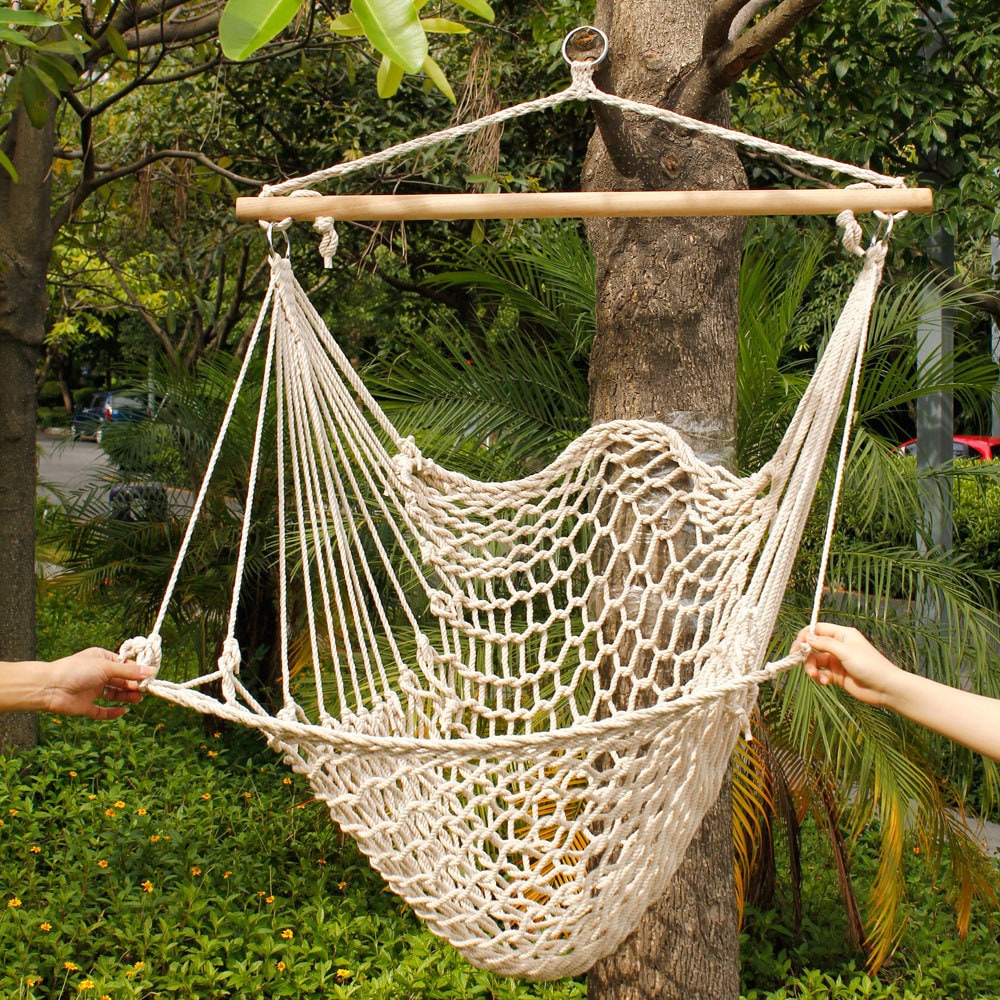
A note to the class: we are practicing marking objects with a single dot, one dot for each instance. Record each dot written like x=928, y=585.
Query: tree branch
x=719, y=24
x=103, y=175
x=730, y=60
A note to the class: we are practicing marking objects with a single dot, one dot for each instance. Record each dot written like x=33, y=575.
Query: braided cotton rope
x=523, y=696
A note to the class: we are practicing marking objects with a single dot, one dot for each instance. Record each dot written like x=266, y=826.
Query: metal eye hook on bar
x=886, y=221
x=599, y=58
x=281, y=227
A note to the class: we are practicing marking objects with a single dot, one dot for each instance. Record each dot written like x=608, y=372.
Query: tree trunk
x=26, y=235
x=665, y=350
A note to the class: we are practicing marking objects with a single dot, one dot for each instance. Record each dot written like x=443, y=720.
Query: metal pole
x=935, y=413
x=995, y=341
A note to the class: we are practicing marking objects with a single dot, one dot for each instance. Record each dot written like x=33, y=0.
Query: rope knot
x=853, y=233
x=145, y=650
x=230, y=657
x=329, y=241
x=408, y=460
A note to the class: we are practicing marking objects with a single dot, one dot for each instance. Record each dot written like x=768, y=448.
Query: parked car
x=963, y=446
x=105, y=407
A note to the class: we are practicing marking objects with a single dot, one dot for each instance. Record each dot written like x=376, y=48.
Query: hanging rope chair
x=526, y=693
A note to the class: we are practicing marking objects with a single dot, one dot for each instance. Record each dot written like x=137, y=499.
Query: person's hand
x=843, y=656
x=76, y=682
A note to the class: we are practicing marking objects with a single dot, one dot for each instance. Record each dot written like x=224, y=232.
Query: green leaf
x=392, y=26
x=388, y=78
x=442, y=26
x=12, y=37
x=28, y=18
x=478, y=7
x=435, y=73
x=116, y=43
x=45, y=78
x=347, y=24
x=8, y=166
x=33, y=95
x=63, y=74
x=246, y=25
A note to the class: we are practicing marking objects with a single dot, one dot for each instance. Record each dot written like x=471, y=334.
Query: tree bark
x=26, y=236
x=665, y=349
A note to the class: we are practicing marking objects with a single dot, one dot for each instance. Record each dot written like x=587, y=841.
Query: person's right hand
x=843, y=656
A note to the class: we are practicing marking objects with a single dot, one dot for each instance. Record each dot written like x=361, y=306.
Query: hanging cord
x=147, y=649
x=581, y=88
x=852, y=232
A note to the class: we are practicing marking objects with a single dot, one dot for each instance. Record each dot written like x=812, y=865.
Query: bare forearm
x=24, y=686
x=966, y=718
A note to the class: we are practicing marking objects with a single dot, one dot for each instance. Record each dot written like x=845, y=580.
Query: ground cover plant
x=157, y=856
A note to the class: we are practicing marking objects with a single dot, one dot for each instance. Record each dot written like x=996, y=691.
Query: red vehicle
x=963, y=446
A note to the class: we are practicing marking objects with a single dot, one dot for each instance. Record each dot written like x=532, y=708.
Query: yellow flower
x=195, y=870
x=288, y=934
x=269, y=899
x=119, y=804
x=72, y=774
x=321, y=861
x=87, y=984
x=13, y=902
x=282, y=967
x=104, y=996
x=102, y=863
x=91, y=797
x=216, y=736
x=207, y=796
x=154, y=838
x=35, y=849
x=248, y=795
x=213, y=753
x=147, y=885
x=71, y=966
x=226, y=874
x=13, y=812
x=138, y=965
x=344, y=973
x=109, y=812
x=1, y=822
x=286, y=781
x=45, y=925
x=341, y=886
x=141, y=812
x=33, y=980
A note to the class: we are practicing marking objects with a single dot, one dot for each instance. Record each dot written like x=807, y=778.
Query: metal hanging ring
x=599, y=58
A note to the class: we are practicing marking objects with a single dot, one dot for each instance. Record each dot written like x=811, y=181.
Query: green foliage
x=392, y=27
x=814, y=961
x=230, y=873
x=143, y=859
x=246, y=25
x=908, y=86
x=977, y=512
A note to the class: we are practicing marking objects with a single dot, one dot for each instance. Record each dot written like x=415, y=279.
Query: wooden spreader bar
x=582, y=204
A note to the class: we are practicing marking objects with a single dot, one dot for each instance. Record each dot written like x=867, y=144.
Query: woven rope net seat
x=520, y=698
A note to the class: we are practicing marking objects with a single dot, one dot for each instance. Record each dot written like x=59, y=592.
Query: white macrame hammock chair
x=528, y=692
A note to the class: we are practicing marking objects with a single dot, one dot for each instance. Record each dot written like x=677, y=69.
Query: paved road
x=67, y=465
